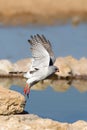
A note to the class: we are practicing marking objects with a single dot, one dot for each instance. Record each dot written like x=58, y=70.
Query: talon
x=26, y=89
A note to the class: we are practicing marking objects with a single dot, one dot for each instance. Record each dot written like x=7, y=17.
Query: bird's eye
x=57, y=69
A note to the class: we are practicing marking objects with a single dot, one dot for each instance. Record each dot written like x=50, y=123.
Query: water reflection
x=56, y=84
x=64, y=100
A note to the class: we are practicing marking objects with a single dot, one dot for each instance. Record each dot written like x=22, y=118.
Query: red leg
x=26, y=89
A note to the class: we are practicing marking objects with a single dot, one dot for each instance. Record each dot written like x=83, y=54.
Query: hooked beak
x=57, y=70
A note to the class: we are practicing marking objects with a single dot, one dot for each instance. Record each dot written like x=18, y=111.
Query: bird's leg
x=27, y=90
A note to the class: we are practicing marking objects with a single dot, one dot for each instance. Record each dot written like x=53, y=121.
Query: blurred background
x=64, y=23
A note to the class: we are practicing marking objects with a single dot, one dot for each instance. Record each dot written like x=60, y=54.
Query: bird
x=43, y=60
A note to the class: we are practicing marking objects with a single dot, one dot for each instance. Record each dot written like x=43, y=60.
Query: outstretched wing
x=41, y=57
x=47, y=45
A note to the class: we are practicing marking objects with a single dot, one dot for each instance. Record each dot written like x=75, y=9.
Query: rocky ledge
x=69, y=67
x=33, y=122
x=11, y=102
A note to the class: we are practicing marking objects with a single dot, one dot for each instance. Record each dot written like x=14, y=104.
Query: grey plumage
x=43, y=59
x=46, y=43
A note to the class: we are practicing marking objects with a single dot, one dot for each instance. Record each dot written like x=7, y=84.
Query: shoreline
x=49, y=12
x=69, y=68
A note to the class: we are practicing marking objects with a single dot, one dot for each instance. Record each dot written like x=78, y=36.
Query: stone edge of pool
x=69, y=67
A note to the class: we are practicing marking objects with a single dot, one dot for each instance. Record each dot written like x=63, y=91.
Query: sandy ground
x=41, y=11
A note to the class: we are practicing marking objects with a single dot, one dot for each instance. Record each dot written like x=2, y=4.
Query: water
x=66, y=106
x=59, y=101
x=66, y=40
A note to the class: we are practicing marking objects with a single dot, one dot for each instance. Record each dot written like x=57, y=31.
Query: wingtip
x=43, y=35
x=29, y=40
x=31, y=37
x=37, y=37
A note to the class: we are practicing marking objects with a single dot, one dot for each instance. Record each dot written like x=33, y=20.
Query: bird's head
x=56, y=69
x=53, y=69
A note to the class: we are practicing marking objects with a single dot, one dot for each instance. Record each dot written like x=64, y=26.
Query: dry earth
x=42, y=11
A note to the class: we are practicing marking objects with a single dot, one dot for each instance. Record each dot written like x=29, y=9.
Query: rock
x=64, y=69
x=30, y=122
x=79, y=67
x=79, y=125
x=11, y=102
x=68, y=67
x=22, y=65
x=33, y=122
x=82, y=66
x=73, y=63
x=5, y=66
